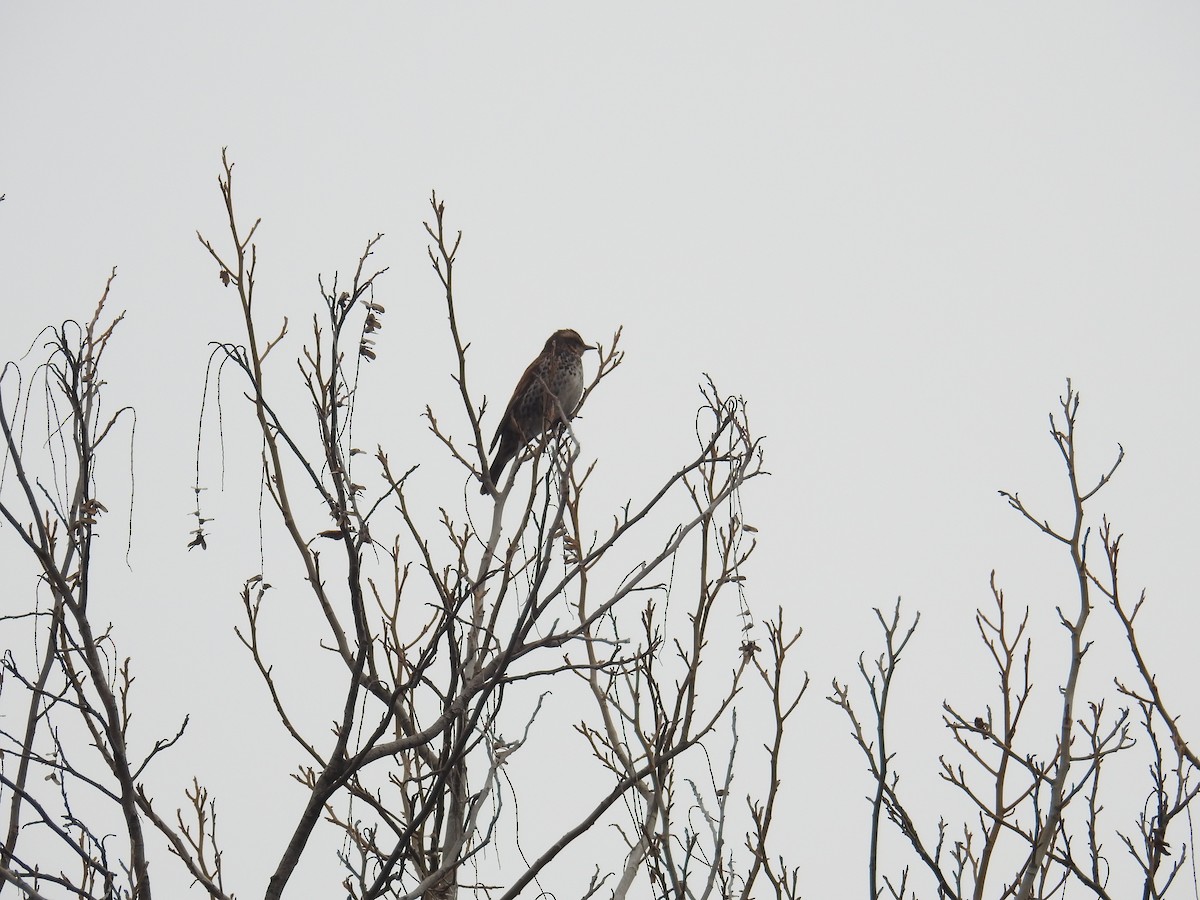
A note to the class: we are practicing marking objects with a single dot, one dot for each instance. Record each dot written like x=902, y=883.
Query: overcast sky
x=895, y=229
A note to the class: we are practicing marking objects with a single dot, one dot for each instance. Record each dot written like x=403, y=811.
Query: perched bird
x=546, y=396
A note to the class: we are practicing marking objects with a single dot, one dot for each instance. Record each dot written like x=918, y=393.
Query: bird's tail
x=506, y=453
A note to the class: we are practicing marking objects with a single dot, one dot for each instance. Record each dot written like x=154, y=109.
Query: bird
x=546, y=397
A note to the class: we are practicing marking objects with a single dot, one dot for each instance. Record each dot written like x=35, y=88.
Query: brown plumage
x=546, y=396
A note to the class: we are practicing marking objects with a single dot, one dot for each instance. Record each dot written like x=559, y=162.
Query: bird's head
x=567, y=339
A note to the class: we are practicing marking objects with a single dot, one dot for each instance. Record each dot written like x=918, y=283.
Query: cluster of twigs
x=415, y=775
x=1022, y=842
x=84, y=832
x=433, y=630
x=429, y=644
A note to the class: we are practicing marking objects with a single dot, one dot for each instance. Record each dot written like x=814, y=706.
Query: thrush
x=546, y=397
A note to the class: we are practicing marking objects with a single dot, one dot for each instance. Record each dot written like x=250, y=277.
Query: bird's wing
x=518, y=392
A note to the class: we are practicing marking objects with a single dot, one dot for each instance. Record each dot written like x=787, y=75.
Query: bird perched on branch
x=546, y=397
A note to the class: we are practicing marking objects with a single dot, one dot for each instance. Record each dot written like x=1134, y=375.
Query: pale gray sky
x=896, y=229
